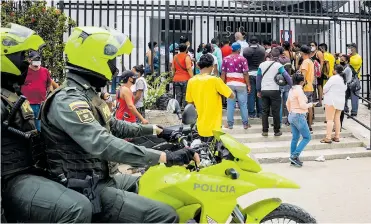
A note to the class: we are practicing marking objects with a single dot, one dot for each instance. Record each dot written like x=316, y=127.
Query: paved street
x=337, y=191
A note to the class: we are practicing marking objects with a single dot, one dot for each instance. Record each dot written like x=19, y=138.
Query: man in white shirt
x=240, y=39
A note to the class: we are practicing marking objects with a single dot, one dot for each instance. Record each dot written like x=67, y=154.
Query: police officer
x=26, y=196
x=82, y=136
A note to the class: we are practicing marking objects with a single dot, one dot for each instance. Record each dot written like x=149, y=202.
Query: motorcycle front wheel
x=287, y=213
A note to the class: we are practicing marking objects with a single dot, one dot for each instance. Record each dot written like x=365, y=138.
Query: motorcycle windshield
x=241, y=153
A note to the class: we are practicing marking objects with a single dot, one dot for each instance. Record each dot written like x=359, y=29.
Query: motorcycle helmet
x=280, y=80
x=16, y=40
x=95, y=49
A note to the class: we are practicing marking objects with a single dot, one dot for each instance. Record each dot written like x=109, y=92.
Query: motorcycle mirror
x=189, y=115
x=173, y=106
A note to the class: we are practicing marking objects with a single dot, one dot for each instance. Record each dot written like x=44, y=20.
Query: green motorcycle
x=207, y=192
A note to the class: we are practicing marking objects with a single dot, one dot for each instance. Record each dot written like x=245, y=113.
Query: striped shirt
x=234, y=66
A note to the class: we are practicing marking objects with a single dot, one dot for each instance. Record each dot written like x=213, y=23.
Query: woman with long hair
x=334, y=100
x=298, y=107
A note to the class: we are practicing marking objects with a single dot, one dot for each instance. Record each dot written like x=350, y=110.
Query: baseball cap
x=352, y=45
x=34, y=55
x=127, y=74
x=236, y=46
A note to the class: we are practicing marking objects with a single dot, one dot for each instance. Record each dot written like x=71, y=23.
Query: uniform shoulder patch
x=79, y=105
x=85, y=116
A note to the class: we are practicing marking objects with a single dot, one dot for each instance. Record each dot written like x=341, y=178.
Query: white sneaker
x=320, y=159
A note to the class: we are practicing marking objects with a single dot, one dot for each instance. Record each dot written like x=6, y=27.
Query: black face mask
x=342, y=63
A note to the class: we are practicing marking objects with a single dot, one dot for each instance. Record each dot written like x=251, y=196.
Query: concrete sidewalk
x=360, y=132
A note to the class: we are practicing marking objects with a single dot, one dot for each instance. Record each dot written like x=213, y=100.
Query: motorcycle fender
x=187, y=212
x=256, y=212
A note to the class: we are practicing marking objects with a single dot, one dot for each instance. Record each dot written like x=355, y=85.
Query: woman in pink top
x=298, y=107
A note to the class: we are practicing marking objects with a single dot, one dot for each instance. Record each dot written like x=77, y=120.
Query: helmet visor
x=19, y=33
x=124, y=44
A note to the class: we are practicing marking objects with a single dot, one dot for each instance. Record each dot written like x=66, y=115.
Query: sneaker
x=265, y=134
x=311, y=130
x=318, y=105
x=296, y=162
x=252, y=116
x=278, y=133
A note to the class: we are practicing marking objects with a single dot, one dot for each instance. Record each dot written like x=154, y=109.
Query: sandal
x=325, y=140
x=334, y=139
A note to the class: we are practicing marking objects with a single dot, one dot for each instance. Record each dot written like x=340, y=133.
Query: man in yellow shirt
x=355, y=58
x=329, y=59
x=205, y=92
x=307, y=69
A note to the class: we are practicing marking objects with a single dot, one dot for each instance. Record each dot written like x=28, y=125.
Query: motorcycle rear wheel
x=287, y=213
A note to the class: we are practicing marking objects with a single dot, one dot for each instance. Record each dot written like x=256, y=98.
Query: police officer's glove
x=180, y=157
x=166, y=133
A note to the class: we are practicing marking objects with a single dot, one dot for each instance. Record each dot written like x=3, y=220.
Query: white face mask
x=36, y=63
x=313, y=49
x=156, y=48
x=349, y=51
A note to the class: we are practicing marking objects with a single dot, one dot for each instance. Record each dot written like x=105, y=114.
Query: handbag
x=278, y=78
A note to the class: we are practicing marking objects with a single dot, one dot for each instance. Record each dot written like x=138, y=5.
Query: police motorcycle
x=207, y=191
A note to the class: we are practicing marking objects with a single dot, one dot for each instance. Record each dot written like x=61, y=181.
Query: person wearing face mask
x=298, y=105
x=355, y=59
x=353, y=86
x=37, y=84
x=126, y=109
x=152, y=60
x=108, y=99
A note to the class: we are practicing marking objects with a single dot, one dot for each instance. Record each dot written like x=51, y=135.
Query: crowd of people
x=268, y=79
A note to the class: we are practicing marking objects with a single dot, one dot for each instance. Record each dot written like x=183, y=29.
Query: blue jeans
x=36, y=109
x=241, y=94
x=299, y=126
x=354, y=101
x=253, y=99
x=284, y=95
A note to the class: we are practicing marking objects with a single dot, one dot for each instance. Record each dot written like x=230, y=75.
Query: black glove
x=180, y=157
x=165, y=134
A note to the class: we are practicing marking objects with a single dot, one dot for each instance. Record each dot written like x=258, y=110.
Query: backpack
x=317, y=69
x=354, y=85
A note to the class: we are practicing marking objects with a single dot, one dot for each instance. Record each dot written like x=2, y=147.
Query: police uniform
x=81, y=136
x=26, y=196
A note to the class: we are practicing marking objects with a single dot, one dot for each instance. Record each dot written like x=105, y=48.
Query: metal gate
x=335, y=23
